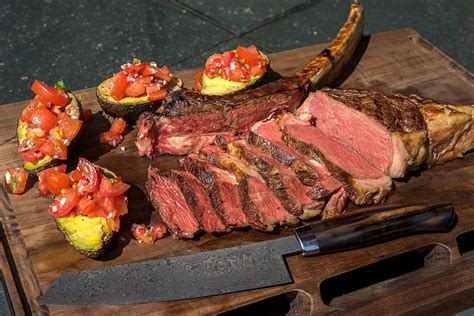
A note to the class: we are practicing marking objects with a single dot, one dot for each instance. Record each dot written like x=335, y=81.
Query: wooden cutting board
x=429, y=275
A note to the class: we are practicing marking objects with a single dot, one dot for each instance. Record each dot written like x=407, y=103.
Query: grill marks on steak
x=169, y=201
x=223, y=190
x=188, y=114
x=280, y=179
x=261, y=207
x=198, y=199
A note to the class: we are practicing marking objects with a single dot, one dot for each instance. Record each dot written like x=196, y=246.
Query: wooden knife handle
x=374, y=225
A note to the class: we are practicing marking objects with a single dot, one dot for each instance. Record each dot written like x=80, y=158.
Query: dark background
x=83, y=42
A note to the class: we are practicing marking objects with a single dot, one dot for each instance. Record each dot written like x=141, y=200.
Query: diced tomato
x=165, y=70
x=86, y=207
x=154, y=93
x=55, y=148
x=212, y=71
x=158, y=230
x=35, y=132
x=227, y=58
x=64, y=203
x=43, y=177
x=76, y=175
x=118, y=85
x=146, y=79
x=197, y=81
x=29, y=149
x=90, y=181
x=255, y=71
x=118, y=204
x=110, y=138
x=135, y=89
x=15, y=180
x=87, y=114
x=118, y=126
x=158, y=73
x=57, y=182
x=43, y=118
x=134, y=68
x=69, y=126
x=248, y=55
x=214, y=60
x=111, y=188
x=148, y=70
x=235, y=71
x=50, y=94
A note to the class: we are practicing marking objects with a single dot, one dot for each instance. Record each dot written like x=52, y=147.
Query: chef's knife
x=244, y=267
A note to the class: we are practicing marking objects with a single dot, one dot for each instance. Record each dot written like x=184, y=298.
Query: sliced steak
x=336, y=203
x=262, y=208
x=198, y=199
x=450, y=129
x=223, y=190
x=184, y=143
x=350, y=169
x=280, y=179
x=191, y=114
x=387, y=130
x=169, y=201
x=267, y=136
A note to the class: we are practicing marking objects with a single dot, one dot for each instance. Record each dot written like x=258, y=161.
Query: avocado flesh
x=220, y=86
x=73, y=109
x=85, y=233
x=89, y=235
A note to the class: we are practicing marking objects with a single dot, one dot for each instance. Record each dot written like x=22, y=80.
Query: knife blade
x=245, y=267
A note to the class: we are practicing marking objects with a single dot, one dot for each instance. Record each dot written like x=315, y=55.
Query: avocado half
x=220, y=86
x=74, y=110
x=91, y=236
x=129, y=108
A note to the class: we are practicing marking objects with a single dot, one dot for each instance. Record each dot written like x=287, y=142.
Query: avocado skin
x=130, y=111
x=70, y=148
x=105, y=242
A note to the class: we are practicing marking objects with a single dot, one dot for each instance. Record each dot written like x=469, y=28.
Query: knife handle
x=374, y=225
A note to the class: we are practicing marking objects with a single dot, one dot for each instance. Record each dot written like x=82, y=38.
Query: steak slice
x=387, y=130
x=262, y=208
x=191, y=114
x=169, y=201
x=198, y=199
x=267, y=136
x=336, y=203
x=450, y=129
x=342, y=163
x=280, y=179
x=223, y=190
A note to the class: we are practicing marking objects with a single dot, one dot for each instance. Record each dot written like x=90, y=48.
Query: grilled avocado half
x=129, y=108
x=74, y=110
x=89, y=235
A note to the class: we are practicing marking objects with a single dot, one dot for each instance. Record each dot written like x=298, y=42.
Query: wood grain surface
x=398, y=61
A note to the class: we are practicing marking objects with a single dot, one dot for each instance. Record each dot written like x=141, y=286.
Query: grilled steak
x=223, y=190
x=280, y=179
x=262, y=208
x=198, y=199
x=186, y=115
x=170, y=203
x=336, y=203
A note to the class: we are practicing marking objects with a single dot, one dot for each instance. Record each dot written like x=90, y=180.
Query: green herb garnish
x=61, y=85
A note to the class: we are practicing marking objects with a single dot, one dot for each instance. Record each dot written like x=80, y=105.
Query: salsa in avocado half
x=232, y=71
x=46, y=130
x=88, y=211
x=136, y=88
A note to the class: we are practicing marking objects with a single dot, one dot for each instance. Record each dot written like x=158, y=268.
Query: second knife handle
x=366, y=227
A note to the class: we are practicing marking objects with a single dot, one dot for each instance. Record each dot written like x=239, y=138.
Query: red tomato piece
x=69, y=126
x=235, y=71
x=248, y=55
x=86, y=207
x=15, y=180
x=43, y=118
x=142, y=234
x=54, y=148
x=118, y=126
x=135, y=89
x=76, y=175
x=29, y=149
x=148, y=71
x=118, y=85
x=165, y=69
x=114, y=223
x=197, y=81
x=215, y=60
x=227, y=58
x=50, y=94
x=111, y=188
x=255, y=71
x=154, y=93
x=43, y=177
x=87, y=114
x=57, y=182
x=118, y=205
x=110, y=138
x=158, y=231
x=64, y=203
x=158, y=73
x=90, y=181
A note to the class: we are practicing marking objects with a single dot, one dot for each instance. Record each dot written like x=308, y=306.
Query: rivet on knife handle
x=365, y=227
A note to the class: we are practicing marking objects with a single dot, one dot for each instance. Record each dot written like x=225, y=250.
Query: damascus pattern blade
x=202, y=274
